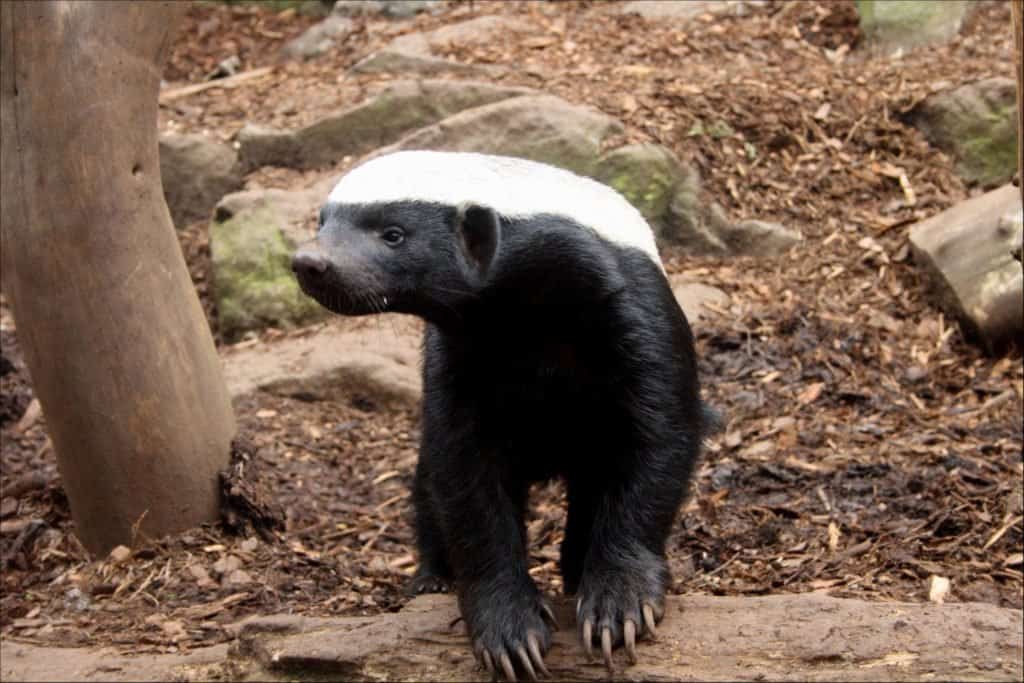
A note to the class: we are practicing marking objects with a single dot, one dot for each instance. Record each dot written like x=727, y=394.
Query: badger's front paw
x=618, y=603
x=426, y=582
x=510, y=633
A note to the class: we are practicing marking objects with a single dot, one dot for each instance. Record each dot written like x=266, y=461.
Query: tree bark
x=1017, y=10
x=119, y=351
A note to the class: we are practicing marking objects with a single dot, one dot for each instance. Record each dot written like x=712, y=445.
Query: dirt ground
x=869, y=446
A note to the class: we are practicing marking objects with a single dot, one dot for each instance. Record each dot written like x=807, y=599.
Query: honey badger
x=553, y=348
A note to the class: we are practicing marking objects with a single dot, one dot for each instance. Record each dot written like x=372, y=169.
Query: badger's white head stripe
x=515, y=188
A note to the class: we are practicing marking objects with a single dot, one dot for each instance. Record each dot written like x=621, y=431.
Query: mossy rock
x=890, y=25
x=977, y=125
x=645, y=174
x=254, y=286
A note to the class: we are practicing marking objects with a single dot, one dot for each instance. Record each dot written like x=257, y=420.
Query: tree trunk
x=114, y=337
x=1017, y=10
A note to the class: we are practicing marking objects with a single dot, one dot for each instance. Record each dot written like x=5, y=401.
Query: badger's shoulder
x=515, y=188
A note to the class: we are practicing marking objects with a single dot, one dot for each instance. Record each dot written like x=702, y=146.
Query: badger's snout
x=309, y=265
x=337, y=289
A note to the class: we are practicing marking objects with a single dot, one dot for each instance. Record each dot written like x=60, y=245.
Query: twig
x=229, y=82
x=1002, y=530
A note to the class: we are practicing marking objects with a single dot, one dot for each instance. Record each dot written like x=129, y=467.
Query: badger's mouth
x=345, y=301
x=321, y=281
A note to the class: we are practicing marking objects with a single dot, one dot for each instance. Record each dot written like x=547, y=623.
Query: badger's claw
x=606, y=647
x=629, y=639
x=510, y=638
x=506, y=666
x=619, y=604
x=648, y=612
x=533, y=645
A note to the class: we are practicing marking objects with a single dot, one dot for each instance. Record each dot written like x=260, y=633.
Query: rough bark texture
x=806, y=637
x=120, y=353
x=1017, y=9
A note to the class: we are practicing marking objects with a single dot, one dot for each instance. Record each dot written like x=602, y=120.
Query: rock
x=314, y=8
x=226, y=565
x=319, y=38
x=196, y=172
x=252, y=238
x=237, y=577
x=693, y=297
x=702, y=637
x=201, y=576
x=391, y=60
x=379, y=363
x=977, y=125
x=22, y=662
x=414, y=53
x=487, y=29
x=648, y=176
x=760, y=238
x=119, y=554
x=539, y=127
x=681, y=10
x=692, y=224
x=226, y=67
x=395, y=9
x=548, y=129
x=75, y=599
x=400, y=107
x=893, y=25
x=966, y=252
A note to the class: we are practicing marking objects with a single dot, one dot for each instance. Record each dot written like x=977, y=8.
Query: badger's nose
x=308, y=264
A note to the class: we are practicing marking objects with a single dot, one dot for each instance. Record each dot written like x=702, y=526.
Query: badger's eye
x=393, y=236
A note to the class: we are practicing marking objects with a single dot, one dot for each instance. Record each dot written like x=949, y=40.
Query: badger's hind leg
x=434, y=574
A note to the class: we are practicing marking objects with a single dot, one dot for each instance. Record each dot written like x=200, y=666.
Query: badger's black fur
x=550, y=351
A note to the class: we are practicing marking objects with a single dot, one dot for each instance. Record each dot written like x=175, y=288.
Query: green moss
x=987, y=151
x=253, y=283
x=646, y=175
x=906, y=23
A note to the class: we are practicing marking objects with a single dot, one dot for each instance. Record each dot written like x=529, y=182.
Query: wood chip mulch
x=869, y=446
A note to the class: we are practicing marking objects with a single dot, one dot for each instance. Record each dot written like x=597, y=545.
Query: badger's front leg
x=508, y=621
x=627, y=511
x=621, y=592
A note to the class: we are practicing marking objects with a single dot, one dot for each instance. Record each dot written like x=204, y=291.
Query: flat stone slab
x=378, y=358
x=806, y=637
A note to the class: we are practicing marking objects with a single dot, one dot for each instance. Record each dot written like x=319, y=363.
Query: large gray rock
x=196, y=172
x=379, y=362
x=482, y=30
x=702, y=637
x=893, y=25
x=399, y=108
x=319, y=38
x=967, y=253
x=392, y=60
x=977, y=125
x=393, y=9
x=539, y=127
x=252, y=238
x=649, y=176
x=682, y=10
x=415, y=53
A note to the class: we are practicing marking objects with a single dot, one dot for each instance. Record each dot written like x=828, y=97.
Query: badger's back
x=514, y=188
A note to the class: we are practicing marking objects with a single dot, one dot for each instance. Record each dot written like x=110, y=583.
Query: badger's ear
x=478, y=236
